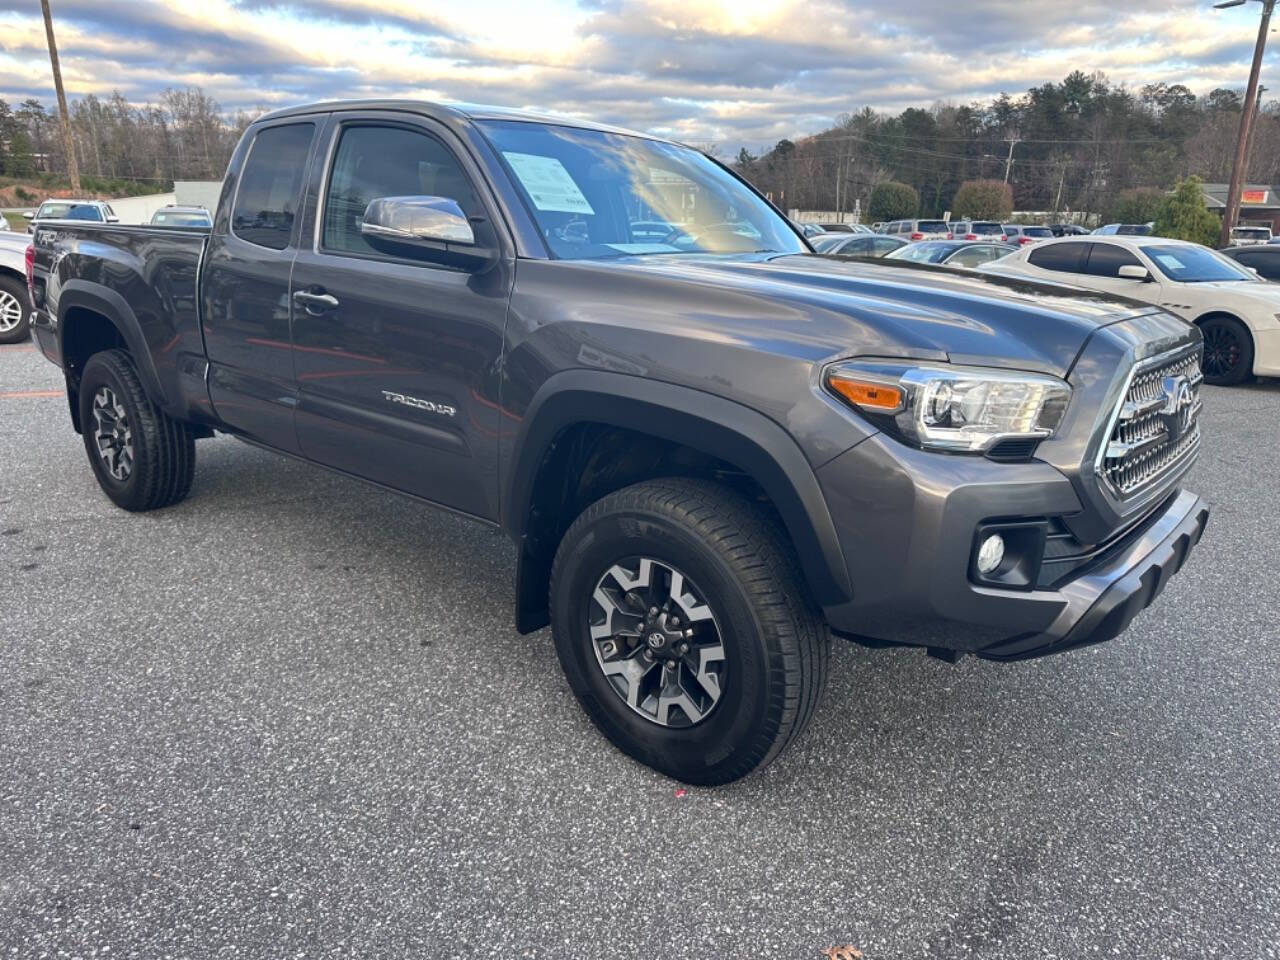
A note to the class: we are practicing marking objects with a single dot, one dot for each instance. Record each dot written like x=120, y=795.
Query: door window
x=1105, y=260
x=1267, y=263
x=270, y=185
x=1060, y=257
x=386, y=161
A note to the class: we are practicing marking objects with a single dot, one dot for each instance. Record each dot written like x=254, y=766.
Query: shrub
x=1139, y=205
x=983, y=200
x=893, y=201
x=1183, y=216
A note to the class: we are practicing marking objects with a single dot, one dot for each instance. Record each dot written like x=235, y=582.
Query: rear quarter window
x=268, y=196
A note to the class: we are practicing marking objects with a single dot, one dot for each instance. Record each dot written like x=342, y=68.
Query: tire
x=1228, y=351
x=143, y=458
x=15, y=310
x=742, y=587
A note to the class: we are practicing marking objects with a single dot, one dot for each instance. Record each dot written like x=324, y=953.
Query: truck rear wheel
x=15, y=310
x=684, y=629
x=143, y=458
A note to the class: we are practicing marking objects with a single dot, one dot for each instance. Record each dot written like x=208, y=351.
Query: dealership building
x=1259, y=204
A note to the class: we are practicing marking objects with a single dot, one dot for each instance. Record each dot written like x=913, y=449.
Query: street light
x=1232, y=213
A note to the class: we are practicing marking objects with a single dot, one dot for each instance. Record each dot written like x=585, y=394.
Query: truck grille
x=1157, y=425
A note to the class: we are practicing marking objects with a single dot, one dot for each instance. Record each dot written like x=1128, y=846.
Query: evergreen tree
x=1183, y=215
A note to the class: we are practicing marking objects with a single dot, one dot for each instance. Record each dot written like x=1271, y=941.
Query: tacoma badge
x=441, y=408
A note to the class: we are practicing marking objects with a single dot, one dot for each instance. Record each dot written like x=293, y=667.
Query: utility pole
x=1253, y=129
x=1013, y=142
x=73, y=171
x=1232, y=213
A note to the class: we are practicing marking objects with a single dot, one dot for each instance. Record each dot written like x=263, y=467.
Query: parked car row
x=1235, y=308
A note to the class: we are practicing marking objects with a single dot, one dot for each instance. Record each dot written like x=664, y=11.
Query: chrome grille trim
x=1155, y=428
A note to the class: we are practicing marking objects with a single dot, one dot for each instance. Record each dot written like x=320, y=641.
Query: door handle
x=315, y=301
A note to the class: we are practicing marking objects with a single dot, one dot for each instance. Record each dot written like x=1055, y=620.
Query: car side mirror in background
x=434, y=229
x=29, y=214
x=1131, y=271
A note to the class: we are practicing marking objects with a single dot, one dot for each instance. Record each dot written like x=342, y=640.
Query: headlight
x=942, y=407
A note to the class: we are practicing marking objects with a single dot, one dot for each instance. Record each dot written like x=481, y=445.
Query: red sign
x=1254, y=196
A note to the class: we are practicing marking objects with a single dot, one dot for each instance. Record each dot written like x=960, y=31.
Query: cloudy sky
x=730, y=72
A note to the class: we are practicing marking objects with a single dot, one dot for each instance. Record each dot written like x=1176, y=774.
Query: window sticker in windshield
x=548, y=183
x=1170, y=262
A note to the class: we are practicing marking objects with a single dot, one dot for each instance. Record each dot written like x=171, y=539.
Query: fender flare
x=727, y=430
x=84, y=294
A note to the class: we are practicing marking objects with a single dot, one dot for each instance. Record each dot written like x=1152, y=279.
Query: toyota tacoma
x=713, y=448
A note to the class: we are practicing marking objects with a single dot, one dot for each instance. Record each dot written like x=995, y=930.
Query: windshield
x=1251, y=233
x=1037, y=232
x=68, y=211
x=1189, y=264
x=181, y=219
x=985, y=229
x=588, y=190
x=922, y=252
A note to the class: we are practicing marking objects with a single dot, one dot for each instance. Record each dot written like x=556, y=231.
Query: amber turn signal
x=865, y=393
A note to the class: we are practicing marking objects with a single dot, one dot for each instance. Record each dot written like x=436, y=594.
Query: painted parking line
x=31, y=394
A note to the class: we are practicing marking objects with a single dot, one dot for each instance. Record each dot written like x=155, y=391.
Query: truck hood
x=899, y=308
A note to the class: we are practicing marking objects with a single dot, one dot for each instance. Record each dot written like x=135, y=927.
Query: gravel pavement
x=290, y=718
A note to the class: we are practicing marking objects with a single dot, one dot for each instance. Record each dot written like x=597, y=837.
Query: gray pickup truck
x=712, y=447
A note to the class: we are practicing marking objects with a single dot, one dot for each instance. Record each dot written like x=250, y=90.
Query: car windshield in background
x=1194, y=264
x=985, y=229
x=597, y=195
x=68, y=211
x=180, y=219
x=1245, y=233
x=922, y=252
x=1037, y=232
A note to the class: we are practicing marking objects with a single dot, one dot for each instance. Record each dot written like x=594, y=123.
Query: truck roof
x=452, y=111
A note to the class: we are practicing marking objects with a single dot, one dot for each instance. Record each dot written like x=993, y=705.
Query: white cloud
x=732, y=71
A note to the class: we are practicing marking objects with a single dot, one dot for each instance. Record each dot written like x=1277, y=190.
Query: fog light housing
x=1008, y=553
x=991, y=554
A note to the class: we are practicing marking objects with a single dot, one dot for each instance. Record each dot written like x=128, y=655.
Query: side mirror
x=433, y=229
x=29, y=214
x=113, y=219
x=1131, y=271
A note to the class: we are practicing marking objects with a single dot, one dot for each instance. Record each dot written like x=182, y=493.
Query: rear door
x=398, y=359
x=245, y=283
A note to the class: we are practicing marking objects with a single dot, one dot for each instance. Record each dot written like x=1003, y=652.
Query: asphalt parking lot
x=290, y=717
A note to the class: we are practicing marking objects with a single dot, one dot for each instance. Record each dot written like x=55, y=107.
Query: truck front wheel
x=143, y=458
x=684, y=629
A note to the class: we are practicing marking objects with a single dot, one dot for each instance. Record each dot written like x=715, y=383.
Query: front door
x=397, y=360
x=245, y=285
x=1102, y=270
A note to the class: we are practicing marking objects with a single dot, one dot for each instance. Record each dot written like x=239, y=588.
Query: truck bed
x=145, y=279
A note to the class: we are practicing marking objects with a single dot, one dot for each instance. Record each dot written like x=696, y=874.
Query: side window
x=270, y=185
x=1267, y=266
x=1105, y=260
x=1062, y=257
x=383, y=161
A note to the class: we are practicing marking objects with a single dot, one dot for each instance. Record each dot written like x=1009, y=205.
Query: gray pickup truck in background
x=712, y=447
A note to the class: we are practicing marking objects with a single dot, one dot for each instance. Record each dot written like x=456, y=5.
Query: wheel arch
x=666, y=413
x=92, y=318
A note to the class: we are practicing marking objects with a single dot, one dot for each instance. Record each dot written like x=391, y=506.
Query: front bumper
x=906, y=521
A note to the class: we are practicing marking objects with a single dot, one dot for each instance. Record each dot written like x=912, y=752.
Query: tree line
x=1084, y=145
x=184, y=135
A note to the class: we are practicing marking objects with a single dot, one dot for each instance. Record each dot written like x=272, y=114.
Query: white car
x=15, y=307
x=1238, y=311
